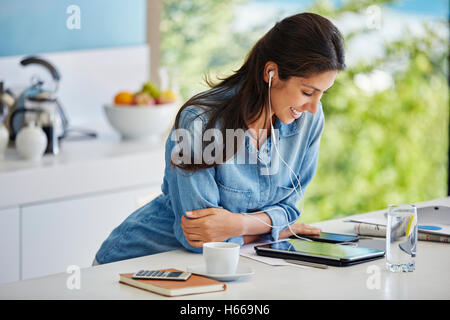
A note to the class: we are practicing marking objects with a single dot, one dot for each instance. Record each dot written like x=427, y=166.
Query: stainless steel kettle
x=36, y=96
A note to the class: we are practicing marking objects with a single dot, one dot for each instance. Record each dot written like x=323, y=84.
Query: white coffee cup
x=221, y=257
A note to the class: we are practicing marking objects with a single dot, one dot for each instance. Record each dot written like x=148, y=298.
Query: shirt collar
x=290, y=129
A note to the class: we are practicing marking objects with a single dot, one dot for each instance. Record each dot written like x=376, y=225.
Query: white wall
x=89, y=78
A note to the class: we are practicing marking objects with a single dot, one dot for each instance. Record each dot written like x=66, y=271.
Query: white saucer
x=241, y=272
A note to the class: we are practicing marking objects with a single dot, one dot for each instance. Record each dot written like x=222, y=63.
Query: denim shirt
x=240, y=186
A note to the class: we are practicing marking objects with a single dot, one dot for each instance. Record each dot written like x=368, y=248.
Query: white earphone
x=271, y=74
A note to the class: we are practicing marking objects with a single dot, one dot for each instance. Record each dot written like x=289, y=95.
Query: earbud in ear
x=271, y=73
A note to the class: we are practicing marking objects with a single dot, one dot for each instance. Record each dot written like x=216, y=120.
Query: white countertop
x=106, y=163
x=429, y=281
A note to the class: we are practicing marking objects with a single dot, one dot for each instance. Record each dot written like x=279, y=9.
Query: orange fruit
x=124, y=97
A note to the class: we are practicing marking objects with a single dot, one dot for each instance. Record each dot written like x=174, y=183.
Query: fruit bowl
x=141, y=122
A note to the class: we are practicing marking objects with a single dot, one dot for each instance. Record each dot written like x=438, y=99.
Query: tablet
x=319, y=252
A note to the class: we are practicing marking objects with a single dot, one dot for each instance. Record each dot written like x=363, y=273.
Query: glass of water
x=401, y=238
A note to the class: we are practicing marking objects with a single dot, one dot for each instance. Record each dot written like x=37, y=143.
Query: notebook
x=195, y=284
x=430, y=220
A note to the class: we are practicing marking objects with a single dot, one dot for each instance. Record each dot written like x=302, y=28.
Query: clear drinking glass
x=401, y=238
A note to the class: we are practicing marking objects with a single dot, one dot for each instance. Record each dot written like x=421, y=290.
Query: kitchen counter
x=106, y=163
x=368, y=280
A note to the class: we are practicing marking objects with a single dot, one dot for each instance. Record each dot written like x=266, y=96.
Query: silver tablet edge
x=369, y=255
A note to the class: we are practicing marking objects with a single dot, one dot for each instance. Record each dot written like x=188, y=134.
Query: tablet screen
x=327, y=250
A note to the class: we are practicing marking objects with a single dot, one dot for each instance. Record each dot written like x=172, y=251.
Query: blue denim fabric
x=236, y=186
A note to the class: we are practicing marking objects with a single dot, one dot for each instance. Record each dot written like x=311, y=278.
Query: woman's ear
x=268, y=68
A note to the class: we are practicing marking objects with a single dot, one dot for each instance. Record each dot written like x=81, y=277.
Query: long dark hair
x=301, y=45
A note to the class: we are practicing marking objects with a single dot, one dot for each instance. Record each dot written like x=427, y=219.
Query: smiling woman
x=302, y=49
x=278, y=88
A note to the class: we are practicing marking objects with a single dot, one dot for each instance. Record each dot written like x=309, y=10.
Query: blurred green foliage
x=196, y=39
x=379, y=146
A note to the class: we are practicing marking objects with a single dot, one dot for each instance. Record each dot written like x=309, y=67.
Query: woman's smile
x=294, y=113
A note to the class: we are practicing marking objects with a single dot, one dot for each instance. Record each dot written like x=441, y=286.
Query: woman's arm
x=218, y=224
x=255, y=227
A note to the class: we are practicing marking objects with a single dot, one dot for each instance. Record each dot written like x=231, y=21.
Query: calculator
x=161, y=275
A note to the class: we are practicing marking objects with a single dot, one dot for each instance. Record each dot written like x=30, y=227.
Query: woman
x=274, y=98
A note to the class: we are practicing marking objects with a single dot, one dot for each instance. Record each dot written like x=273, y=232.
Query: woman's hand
x=299, y=228
x=210, y=224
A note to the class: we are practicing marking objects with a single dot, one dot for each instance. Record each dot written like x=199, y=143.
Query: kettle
x=38, y=97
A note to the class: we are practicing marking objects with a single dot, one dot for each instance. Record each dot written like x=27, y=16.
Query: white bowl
x=141, y=122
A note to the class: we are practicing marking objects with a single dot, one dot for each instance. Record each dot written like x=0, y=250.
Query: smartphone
x=330, y=237
x=161, y=275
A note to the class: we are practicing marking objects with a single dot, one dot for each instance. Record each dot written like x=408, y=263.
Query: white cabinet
x=58, y=234
x=57, y=212
x=9, y=245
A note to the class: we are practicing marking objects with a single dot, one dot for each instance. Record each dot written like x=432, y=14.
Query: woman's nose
x=313, y=106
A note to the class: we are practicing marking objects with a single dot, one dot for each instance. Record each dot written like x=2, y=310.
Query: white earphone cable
x=290, y=176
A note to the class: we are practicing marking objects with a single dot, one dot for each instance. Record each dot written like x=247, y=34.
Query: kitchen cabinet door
x=9, y=245
x=57, y=235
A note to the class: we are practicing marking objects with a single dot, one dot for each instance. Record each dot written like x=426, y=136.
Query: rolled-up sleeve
x=286, y=212
x=192, y=190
